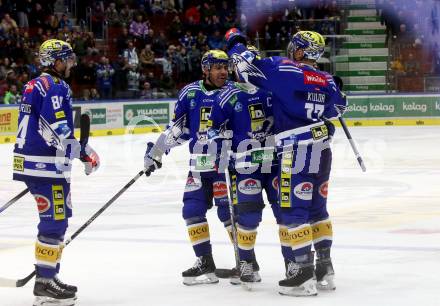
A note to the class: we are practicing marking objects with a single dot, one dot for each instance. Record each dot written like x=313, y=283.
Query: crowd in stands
x=152, y=48
x=413, y=35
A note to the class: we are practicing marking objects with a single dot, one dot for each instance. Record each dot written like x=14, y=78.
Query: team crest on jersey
x=43, y=203
x=314, y=78
x=238, y=107
x=304, y=191
x=192, y=184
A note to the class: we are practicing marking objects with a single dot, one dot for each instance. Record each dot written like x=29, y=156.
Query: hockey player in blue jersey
x=43, y=162
x=204, y=184
x=305, y=98
x=244, y=112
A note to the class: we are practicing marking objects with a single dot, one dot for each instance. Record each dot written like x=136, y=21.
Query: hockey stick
x=13, y=200
x=340, y=84
x=84, y=139
x=228, y=273
x=4, y=282
x=353, y=145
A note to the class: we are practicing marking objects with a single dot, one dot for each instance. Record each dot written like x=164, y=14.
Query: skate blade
x=308, y=288
x=208, y=278
x=236, y=280
x=327, y=283
x=48, y=301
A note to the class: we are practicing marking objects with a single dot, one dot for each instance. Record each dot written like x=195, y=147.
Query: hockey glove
x=234, y=36
x=89, y=158
x=152, y=158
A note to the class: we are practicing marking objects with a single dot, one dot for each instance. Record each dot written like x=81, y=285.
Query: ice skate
x=235, y=278
x=203, y=272
x=300, y=280
x=48, y=293
x=325, y=274
x=65, y=286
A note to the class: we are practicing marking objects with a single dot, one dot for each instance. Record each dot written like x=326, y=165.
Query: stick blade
x=6, y=282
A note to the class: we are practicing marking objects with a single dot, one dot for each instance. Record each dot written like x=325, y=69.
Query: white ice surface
x=386, y=224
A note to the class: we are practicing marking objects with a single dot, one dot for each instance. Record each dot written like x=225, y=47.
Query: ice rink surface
x=386, y=224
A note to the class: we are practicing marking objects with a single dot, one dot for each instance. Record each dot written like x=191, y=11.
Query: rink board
x=133, y=117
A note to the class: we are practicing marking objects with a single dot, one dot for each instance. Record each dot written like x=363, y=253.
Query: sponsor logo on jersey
x=43, y=203
x=40, y=166
x=191, y=94
x=60, y=115
x=58, y=202
x=285, y=182
x=192, y=184
x=205, y=112
x=323, y=189
x=18, y=163
x=257, y=115
x=275, y=183
x=249, y=186
x=220, y=190
x=304, y=191
x=314, y=78
x=319, y=132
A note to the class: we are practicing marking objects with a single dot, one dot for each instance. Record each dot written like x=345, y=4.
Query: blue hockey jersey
x=45, y=124
x=303, y=95
x=245, y=112
x=190, y=122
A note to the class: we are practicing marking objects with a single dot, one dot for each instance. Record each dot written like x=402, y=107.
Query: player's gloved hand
x=152, y=159
x=234, y=36
x=89, y=158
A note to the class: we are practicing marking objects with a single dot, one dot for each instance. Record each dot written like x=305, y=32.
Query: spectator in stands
x=146, y=57
x=192, y=15
x=146, y=92
x=157, y=8
x=104, y=74
x=122, y=40
x=85, y=94
x=12, y=96
x=150, y=78
x=412, y=65
x=23, y=7
x=37, y=16
x=133, y=77
x=65, y=22
x=33, y=68
x=90, y=43
x=51, y=24
x=112, y=15
x=94, y=95
x=8, y=25
x=215, y=41
x=187, y=40
x=98, y=17
x=126, y=15
x=201, y=39
x=130, y=54
x=175, y=29
x=85, y=72
x=79, y=44
x=160, y=44
x=139, y=29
